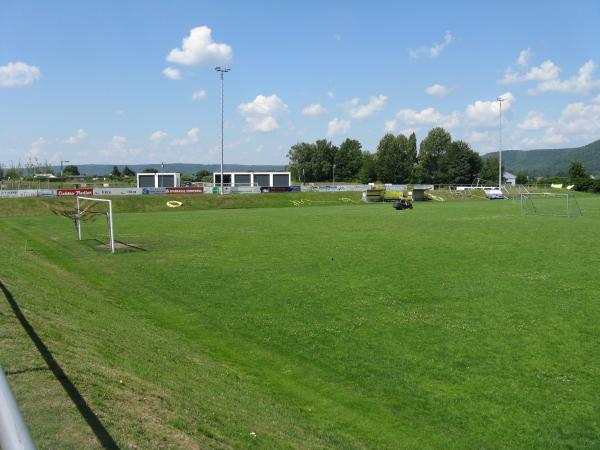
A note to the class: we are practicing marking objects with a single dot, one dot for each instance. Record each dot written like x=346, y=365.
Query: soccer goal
x=549, y=204
x=89, y=209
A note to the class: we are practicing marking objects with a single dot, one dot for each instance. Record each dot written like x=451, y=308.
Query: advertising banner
x=154, y=190
x=117, y=191
x=74, y=192
x=266, y=189
x=13, y=193
x=185, y=190
x=396, y=187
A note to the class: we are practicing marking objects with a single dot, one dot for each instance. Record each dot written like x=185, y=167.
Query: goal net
x=94, y=217
x=550, y=204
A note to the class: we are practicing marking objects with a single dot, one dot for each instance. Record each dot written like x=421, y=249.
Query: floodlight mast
x=61, y=166
x=500, y=100
x=222, y=70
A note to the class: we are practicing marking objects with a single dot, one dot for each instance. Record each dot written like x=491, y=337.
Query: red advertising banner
x=83, y=191
x=185, y=190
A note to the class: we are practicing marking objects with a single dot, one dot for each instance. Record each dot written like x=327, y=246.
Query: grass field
x=458, y=324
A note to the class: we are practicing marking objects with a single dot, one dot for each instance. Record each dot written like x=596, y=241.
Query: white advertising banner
x=14, y=193
x=117, y=191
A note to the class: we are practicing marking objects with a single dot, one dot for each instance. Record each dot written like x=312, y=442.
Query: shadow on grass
x=86, y=412
x=98, y=245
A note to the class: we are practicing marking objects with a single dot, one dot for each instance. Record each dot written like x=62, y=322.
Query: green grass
x=456, y=324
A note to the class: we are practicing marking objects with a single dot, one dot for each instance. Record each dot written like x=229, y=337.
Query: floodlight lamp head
x=222, y=69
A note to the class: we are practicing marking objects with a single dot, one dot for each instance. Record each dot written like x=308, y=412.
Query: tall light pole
x=500, y=100
x=222, y=70
x=61, y=166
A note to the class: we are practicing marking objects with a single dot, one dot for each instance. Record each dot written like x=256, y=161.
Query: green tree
x=368, y=169
x=348, y=160
x=391, y=159
x=577, y=170
x=411, y=156
x=460, y=164
x=432, y=150
x=127, y=172
x=489, y=170
x=150, y=170
x=203, y=175
x=522, y=177
x=312, y=162
x=115, y=172
x=70, y=170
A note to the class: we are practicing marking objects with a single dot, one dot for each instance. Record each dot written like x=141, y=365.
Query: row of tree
x=439, y=160
x=70, y=170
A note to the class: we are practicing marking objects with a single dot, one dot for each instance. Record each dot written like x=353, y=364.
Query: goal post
x=549, y=204
x=80, y=213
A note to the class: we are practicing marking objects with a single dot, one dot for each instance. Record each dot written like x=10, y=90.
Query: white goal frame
x=568, y=203
x=111, y=234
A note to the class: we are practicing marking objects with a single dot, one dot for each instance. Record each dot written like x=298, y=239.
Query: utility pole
x=222, y=70
x=500, y=100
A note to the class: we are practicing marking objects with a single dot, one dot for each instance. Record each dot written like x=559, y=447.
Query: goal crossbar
x=111, y=235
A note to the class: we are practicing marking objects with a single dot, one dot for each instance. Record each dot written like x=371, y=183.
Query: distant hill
x=103, y=169
x=551, y=162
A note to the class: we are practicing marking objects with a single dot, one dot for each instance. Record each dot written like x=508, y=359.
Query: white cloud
x=580, y=119
x=37, y=148
x=350, y=103
x=524, y=57
x=171, y=73
x=338, y=126
x=199, y=48
x=486, y=113
x=478, y=136
x=374, y=105
x=435, y=50
x=118, y=149
x=313, y=110
x=582, y=83
x=533, y=121
x=547, y=75
x=390, y=125
x=199, y=94
x=438, y=90
x=330, y=94
x=18, y=74
x=262, y=113
x=578, y=123
x=77, y=138
x=544, y=72
x=553, y=137
x=118, y=142
x=427, y=116
x=191, y=137
x=158, y=136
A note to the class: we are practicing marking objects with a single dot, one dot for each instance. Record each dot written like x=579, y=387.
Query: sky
x=133, y=82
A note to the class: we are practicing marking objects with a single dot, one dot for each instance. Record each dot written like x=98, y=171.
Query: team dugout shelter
x=260, y=179
x=156, y=180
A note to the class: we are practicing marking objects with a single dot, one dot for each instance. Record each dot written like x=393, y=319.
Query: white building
x=510, y=178
x=260, y=179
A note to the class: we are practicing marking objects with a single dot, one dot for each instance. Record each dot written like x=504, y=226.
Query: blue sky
x=134, y=82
